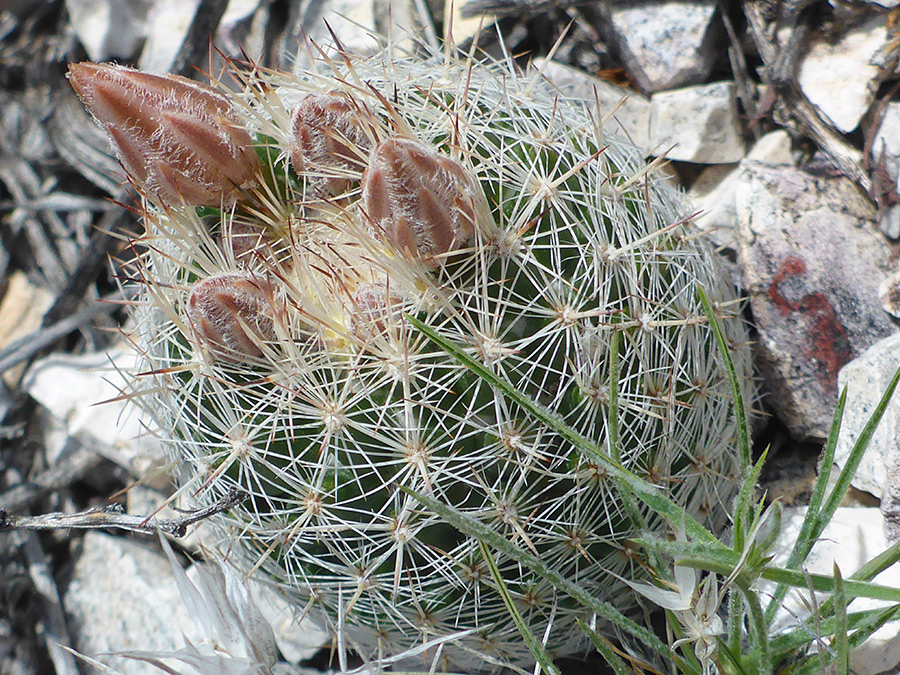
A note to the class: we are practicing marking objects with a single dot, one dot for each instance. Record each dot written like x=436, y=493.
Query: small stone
x=812, y=260
x=21, y=311
x=623, y=111
x=243, y=27
x=886, y=155
x=700, y=122
x=889, y=222
x=122, y=596
x=168, y=23
x=108, y=29
x=841, y=78
x=852, y=537
x=713, y=191
x=460, y=28
x=297, y=639
x=663, y=45
x=889, y=294
x=352, y=21
x=82, y=393
x=866, y=378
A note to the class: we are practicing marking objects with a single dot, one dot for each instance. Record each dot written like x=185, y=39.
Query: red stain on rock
x=792, y=267
x=827, y=342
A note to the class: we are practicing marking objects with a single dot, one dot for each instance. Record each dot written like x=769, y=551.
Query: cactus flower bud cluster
x=179, y=139
x=316, y=214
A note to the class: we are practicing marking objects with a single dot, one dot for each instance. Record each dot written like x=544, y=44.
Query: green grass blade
x=863, y=624
x=724, y=560
x=818, y=517
x=613, y=421
x=737, y=395
x=546, y=416
x=473, y=528
x=537, y=650
x=744, y=509
x=605, y=648
x=868, y=571
x=824, y=583
x=836, y=496
x=841, y=642
x=735, y=621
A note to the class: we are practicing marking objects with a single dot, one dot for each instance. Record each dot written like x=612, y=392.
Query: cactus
x=279, y=358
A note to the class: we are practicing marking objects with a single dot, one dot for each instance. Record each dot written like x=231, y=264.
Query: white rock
x=352, y=21
x=242, y=29
x=889, y=222
x=168, y=21
x=297, y=640
x=108, y=28
x=624, y=112
x=79, y=391
x=886, y=143
x=460, y=29
x=866, y=378
x=714, y=190
x=700, y=122
x=854, y=536
x=663, y=45
x=122, y=596
x=841, y=78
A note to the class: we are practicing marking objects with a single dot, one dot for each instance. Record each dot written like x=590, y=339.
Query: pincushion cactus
x=280, y=359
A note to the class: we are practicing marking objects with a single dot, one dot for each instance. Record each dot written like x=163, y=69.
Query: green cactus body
x=337, y=401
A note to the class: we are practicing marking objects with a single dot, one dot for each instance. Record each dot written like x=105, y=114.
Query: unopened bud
x=420, y=202
x=375, y=308
x=234, y=313
x=248, y=241
x=328, y=142
x=177, y=138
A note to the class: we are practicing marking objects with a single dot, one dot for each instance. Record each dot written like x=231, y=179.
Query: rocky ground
x=782, y=123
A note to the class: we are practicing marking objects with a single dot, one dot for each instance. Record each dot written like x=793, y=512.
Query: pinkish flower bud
x=328, y=142
x=248, y=241
x=177, y=138
x=375, y=309
x=234, y=313
x=420, y=202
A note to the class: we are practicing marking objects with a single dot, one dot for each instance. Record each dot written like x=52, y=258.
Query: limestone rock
x=663, y=45
x=812, y=262
x=842, y=77
x=122, y=596
x=79, y=392
x=109, y=29
x=866, y=378
x=700, y=122
x=854, y=536
x=714, y=190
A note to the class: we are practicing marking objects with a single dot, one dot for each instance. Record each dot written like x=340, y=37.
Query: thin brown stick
x=111, y=517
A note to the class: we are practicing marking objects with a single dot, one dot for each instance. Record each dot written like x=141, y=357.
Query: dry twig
x=112, y=517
